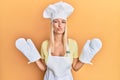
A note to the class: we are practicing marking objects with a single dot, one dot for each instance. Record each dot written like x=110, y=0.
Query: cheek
x=55, y=25
x=54, y=28
x=64, y=25
x=64, y=29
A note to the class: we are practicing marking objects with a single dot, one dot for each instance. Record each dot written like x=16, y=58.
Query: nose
x=59, y=24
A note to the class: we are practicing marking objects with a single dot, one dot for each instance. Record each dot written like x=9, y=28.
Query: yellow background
x=91, y=18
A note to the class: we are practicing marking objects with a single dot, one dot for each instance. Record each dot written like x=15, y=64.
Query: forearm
x=77, y=65
x=41, y=65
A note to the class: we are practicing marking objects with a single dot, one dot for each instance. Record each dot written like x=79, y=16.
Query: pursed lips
x=59, y=29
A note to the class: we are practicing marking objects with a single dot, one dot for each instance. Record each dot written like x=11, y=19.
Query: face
x=59, y=26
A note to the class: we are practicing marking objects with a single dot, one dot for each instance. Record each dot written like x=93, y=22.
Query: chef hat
x=58, y=10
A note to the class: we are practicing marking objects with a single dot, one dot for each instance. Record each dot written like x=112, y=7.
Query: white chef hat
x=58, y=10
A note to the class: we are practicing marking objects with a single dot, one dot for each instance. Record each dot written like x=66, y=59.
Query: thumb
x=87, y=44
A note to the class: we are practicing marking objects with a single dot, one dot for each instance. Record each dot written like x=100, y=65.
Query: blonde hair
x=51, y=41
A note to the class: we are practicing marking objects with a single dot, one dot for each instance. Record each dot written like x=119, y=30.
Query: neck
x=58, y=38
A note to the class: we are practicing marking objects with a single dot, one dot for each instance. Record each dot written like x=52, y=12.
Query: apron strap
x=67, y=50
x=49, y=52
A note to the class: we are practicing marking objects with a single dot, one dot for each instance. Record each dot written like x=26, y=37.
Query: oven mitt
x=89, y=50
x=22, y=45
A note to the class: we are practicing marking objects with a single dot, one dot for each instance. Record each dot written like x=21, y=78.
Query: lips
x=59, y=29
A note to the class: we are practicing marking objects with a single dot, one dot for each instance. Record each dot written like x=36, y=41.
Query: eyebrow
x=58, y=20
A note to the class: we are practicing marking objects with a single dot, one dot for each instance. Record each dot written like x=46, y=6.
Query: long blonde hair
x=51, y=41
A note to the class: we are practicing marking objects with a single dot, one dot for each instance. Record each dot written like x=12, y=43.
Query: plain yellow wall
x=91, y=18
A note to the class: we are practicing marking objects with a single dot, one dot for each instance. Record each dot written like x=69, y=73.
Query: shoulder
x=72, y=41
x=44, y=43
x=72, y=44
x=73, y=47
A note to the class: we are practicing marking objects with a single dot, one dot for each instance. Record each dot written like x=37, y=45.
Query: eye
x=63, y=21
x=54, y=21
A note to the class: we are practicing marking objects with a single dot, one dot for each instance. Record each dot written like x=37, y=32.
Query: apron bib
x=58, y=67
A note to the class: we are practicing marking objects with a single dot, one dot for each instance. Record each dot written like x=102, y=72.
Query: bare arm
x=40, y=63
x=77, y=64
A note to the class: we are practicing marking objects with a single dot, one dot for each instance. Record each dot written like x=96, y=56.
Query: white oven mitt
x=89, y=50
x=26, y=49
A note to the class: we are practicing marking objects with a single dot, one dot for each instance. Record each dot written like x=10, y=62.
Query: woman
x=59, y=54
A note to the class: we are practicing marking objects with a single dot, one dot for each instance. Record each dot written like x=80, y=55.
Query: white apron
x=58, y=68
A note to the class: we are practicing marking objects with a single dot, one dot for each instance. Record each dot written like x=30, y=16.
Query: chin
x=60, y=32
